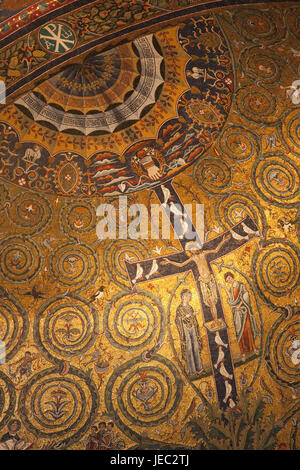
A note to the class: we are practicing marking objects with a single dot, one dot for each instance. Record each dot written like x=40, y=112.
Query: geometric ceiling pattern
x=124, y=344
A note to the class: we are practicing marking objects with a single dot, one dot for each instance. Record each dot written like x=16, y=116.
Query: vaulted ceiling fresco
x=149, y=343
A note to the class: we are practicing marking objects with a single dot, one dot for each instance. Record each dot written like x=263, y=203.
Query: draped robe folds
x=244, y=320
x=190, y=340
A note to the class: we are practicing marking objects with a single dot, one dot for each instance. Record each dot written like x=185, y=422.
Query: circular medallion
x=234, y=207
x=133, y=321
x=74, y=265
x=238, y=143
x=58, y=407
x=115, y=254
x=276, y=268
x=20, y=259
x=261, y=65
x=14, y=327
x=212, y=174
x=293, y=21
x=257, y=104
x=31, y=213
x=276, y=179
x=291, y=131
x=77, y=219
x=283, y=351
x=255, y=24
x=65, y=327
x=57, y=37
x=146, y=395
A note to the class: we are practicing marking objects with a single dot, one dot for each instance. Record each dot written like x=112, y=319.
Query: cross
x=199, y=264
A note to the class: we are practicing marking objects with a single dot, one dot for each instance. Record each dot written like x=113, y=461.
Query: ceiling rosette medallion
x=122, y=119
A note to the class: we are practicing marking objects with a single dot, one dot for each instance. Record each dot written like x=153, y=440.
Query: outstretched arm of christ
x=175, y=263
x=215, y=250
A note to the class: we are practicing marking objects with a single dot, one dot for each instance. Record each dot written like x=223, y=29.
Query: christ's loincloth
x=209, y=293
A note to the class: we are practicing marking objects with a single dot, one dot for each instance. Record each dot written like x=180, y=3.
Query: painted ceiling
x=147, y=344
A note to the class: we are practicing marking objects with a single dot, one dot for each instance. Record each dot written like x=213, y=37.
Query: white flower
x=22, y=181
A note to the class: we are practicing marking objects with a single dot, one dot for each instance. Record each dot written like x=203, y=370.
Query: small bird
x=175, y=209
x=224, y=372
x=238, y=237
x=139, y=273
x=250, y=231
x=47, y=242
x=128, y=258
x=285, y=225
x=228, y=389
x=153, y=270
x=239, y=213
x=271, y=140
x=157, y=250
x=97, y=295
x=219, y=341
x=166, y=193
x=184, y=228
x=95, y=356
x=216, y=229
x=35, y=293
x=147, y=355
x=231, y=403
x=213, y=175
x=220, y=357
x=293, y=92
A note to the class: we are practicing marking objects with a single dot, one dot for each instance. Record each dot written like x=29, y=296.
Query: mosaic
x=166, y=343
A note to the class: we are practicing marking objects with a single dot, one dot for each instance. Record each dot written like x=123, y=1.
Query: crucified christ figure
x=206, y=278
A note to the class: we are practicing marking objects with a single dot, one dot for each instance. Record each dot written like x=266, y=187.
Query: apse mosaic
x=124, y=344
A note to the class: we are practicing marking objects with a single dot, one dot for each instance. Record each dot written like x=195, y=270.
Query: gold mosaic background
x=82, y=346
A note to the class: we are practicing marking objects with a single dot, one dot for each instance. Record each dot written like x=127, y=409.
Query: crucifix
x=196, y=257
